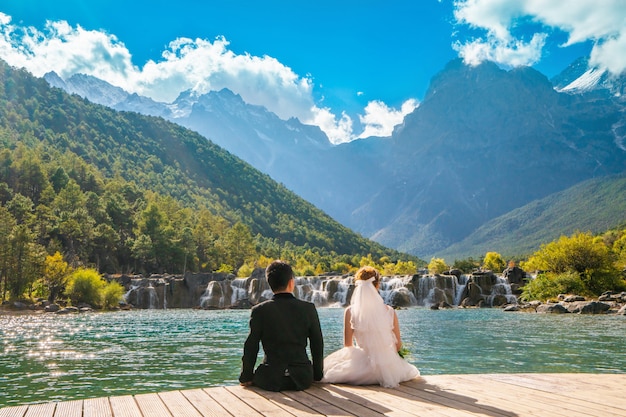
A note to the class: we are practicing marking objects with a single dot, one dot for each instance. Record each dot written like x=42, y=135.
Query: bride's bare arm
x=396, y=330
x=348, y=332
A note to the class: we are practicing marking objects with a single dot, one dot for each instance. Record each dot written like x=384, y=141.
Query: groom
x=283, y=325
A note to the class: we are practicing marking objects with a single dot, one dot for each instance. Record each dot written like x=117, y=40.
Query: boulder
x=511, y=308
x=552, y=308
x=591, y=307
x=18, y=305
x=401, y=298
x=622, y=311
x=573, y=298
x=499, y=300
x=52, y=308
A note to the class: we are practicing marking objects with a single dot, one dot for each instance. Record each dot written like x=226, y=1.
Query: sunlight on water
x=49, y=357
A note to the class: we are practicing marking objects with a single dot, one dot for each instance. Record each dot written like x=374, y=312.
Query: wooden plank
x=69, y=409
x=323, y=407
x=349, y=407
x=97, y=407
x=572, y=386
x=406, y=401
x=500, y=395
x=16, y=411
x=447, y=396
x=178, y=405
x=560, y=400
x=124, y=406
x=258, y=400
x=41, y=410
x=370, y=397
x=230, y=402
x=285, y=403
x=151, y=405
x=204, y=403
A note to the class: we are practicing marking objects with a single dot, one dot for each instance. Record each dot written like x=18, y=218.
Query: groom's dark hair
x=278, y=274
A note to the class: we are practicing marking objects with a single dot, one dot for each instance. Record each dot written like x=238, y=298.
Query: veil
x=367, y=306
x=372, y=322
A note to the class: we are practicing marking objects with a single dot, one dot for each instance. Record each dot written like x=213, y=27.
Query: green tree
x=582, y=254
x=437, y=266
x=85, y=286
x=238, y=245
x=7, y=224
x=494, y=262
x=55, y=274
x=112, y=294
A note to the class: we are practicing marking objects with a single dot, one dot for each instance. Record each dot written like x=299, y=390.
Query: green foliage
x=86, y=286
x=112, y=294
x=437, y=266
x=125, y=192
x=55, y=274
x=549, y=285
x=467, y=265
x=582, y=254
x=494, y=262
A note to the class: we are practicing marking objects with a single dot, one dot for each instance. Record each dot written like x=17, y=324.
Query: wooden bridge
x=438, y=395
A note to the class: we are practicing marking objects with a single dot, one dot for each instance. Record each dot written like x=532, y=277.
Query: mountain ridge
x=484, y=141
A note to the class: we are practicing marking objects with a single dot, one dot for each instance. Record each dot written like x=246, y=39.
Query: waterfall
x=501, y=288
x=461, y=284
x=213, y=290
x=240, y=290
x=311, y=289
x=153, y=299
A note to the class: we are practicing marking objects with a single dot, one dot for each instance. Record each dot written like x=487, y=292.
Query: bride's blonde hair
x=366, y=273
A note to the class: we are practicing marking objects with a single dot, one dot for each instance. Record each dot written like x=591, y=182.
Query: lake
x=47, y=357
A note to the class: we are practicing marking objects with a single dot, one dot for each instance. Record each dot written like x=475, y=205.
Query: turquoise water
x=49, y=357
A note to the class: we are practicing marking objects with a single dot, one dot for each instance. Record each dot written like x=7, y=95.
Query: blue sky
x=354, y=68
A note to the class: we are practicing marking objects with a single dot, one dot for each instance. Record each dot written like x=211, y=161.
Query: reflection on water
x=49, y=357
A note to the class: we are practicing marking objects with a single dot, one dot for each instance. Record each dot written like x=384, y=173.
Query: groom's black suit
x=283, y=325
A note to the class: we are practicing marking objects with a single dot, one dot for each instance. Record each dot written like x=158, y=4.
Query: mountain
x=594, y=205
x=483, y=142
x=163, y=157
x=580, y=77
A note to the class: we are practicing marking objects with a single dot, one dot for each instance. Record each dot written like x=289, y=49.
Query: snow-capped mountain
x=580, y=77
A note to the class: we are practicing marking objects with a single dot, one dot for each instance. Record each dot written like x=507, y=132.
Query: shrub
x=582, y=254
x=494, y=262
x=112, y=294
x=85, y=286
x=437, y=266
x=549, y=285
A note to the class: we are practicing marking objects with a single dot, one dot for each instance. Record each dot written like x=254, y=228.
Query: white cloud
x=379, y=119
x=601, y=21
x=187, y=64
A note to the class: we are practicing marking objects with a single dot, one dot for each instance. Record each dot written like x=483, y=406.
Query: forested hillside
x=127, y=192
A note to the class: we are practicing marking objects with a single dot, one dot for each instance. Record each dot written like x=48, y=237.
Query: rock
x=67, y=310
x=591, y=307
x=499, y=300
x=622, y=311
x=552, y=308
x=20, y=305
x=434, y=307
x=401, y=297
x=515, y=275
x=444, y=304
x=511, y=308
x=85, y=310
x=573, y=298
x=52, y=308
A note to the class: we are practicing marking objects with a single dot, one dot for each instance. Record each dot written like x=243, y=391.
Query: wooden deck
x=437, y=395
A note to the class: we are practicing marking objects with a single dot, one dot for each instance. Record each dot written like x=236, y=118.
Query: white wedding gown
x=374, y=360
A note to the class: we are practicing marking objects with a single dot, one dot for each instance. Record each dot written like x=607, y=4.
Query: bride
x=374, y=326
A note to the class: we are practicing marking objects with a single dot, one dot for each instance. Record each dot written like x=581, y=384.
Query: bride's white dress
x=374, y=360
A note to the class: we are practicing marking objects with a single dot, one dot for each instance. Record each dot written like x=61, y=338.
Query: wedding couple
x=284, y=324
